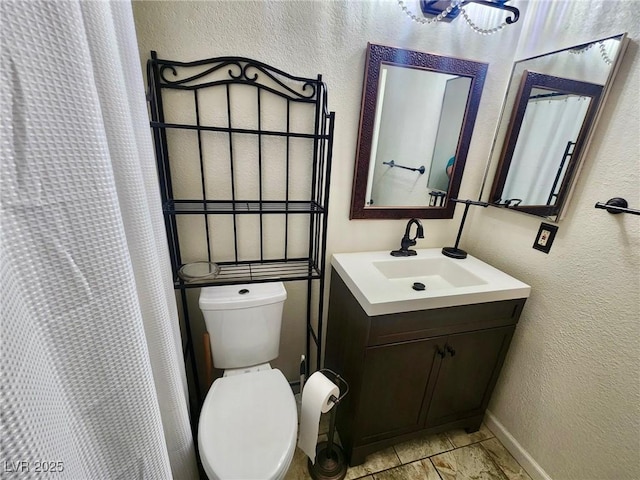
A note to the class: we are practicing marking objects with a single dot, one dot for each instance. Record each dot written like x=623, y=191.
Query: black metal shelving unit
x=223, y=124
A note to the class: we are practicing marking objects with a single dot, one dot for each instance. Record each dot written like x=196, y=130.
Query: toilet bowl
x=248, y=427
x=248, y=423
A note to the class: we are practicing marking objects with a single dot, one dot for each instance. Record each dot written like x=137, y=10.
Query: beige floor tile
x=376, y=462
x=501, y=456
x=420, y=470
x=468, y=463
x=422, y=447
x=460, y=438
x=432, y=473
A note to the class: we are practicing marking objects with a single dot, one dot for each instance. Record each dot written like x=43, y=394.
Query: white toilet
x=248, y=424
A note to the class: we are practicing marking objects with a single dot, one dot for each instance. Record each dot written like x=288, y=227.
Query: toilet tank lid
x=231, y=297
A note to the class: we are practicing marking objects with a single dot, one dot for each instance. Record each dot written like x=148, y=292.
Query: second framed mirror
x=549, y=114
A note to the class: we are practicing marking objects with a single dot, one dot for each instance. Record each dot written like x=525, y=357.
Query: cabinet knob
x=440, y=352
x=449, y=349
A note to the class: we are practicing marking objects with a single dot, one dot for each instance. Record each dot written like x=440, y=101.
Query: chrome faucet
x=407, y=241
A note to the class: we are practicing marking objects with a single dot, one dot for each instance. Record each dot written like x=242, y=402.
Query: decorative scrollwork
x=162, y=73
x=246, y=74
x=164, y=66
x=238, y=70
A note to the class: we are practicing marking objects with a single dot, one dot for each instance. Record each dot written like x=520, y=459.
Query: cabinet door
x=394, y=383
x=468, y=374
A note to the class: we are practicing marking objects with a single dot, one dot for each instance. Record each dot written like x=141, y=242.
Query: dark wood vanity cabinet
x=414, y=372
x=395, y=378
x=469, y=366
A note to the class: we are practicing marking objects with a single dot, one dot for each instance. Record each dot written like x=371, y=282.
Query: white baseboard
x=525, y=460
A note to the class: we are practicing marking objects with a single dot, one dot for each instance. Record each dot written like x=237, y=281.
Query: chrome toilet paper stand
x=331, y=463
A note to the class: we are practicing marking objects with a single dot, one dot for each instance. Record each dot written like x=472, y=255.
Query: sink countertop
x=377, y=281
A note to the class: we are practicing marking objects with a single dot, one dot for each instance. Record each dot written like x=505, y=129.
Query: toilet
x=248, y=423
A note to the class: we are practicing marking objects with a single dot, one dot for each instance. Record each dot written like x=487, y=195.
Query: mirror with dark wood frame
x=549, y=113
x=417, y=117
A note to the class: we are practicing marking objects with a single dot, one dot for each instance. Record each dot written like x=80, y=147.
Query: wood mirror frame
x=377, y=56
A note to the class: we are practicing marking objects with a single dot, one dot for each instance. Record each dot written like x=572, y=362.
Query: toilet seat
x=248, y=427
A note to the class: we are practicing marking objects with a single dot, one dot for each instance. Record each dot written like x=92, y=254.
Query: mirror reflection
x=548, y=126
x=418, y=112
x=549, y=114
x=554, y=102
x=414, y=139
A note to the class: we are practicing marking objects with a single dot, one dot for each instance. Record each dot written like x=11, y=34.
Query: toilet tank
x=243, y=322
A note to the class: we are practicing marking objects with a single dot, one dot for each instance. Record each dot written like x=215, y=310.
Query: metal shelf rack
x=237, y=139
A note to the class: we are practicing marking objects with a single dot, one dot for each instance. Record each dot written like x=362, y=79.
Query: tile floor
x=453, y=455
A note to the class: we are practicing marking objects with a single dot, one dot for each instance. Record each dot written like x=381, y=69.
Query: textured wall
x=330, y=37
x=570, y=389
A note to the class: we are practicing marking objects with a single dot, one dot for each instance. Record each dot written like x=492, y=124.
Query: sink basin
x=383, y=284
x=432, y=272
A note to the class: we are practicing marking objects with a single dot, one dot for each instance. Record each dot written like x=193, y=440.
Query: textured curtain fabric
x=93, y=383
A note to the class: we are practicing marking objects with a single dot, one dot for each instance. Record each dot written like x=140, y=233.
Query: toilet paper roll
x=315, y=401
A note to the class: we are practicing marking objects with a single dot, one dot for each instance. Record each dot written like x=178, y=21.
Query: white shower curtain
x=550, y=124
x=93, y=382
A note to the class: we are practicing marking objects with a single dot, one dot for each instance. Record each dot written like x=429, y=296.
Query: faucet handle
x=407, y=242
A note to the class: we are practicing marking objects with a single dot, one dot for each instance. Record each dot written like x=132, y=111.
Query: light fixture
x=448, y=10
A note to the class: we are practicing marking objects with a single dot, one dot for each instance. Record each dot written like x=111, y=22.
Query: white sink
x=384, y=284
x=438, y=272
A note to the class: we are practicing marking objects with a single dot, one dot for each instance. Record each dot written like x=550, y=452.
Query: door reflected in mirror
x=417, y=117
x=548, y=116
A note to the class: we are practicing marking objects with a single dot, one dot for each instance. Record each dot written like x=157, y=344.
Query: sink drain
x=418, y=286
